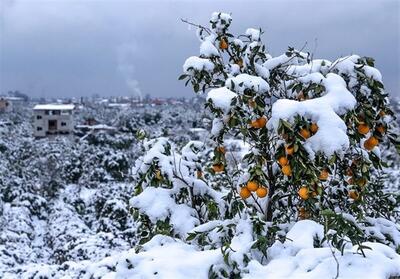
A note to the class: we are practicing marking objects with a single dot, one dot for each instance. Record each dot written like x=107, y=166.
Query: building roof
x=11, y=98
x=54, y=107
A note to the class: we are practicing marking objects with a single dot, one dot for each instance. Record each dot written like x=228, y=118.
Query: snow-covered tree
x=311, y=133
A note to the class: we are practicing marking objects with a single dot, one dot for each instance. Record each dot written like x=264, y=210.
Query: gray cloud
x=73, y=48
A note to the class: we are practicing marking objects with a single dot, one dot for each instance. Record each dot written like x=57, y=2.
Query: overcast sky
x=78, y=48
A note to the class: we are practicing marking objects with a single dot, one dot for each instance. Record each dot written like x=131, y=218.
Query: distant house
x=8, y=103
x=5, y=105
x=51, y=119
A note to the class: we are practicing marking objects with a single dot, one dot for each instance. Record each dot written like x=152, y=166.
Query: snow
x=254, y=34
x=207, y=49
x=220, y=21
x=373, y=73
x=261, y=71
x=198, y=64
x=168, y=257
x=316, y=66
x=54, y=107
x=303, y=234
x=331, y=136
x=244, y=81
x=380, y=262
x=217, y=126
x=158, y=204
x=221, y=98
x=283, y=59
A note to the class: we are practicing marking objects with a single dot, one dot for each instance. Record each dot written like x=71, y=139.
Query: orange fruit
x=252, y=186
x=303, y=193
x=218, y=167
x=353, y=194
x=349, y=172
x=199, y=174
x=382, y=113
x=289, y=149
x=324, y=175
x=262, y=192
x=245, y=193
x=239, y=63
x=223, y=44
x=259, y=123
x=363, y=128
x=287, y=170
x=283, y=161
x=370, y=143
x=314, y=194
x=221, y=149
x=314, y=128
x=305, y=133
x=380, y=128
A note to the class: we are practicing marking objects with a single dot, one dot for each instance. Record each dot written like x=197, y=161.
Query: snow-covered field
x=65, y=214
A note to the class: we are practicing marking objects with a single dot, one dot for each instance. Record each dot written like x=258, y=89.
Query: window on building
x=55, y=112
x=38, y=117
x=63, y=124
x=39, y=128
x=46, y=112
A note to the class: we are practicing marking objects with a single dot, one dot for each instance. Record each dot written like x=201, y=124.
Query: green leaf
x=182, y=76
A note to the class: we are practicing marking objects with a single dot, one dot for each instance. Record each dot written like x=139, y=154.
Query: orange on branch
x=353, y=194
x=324, y=175
x=245, y=193
x=381, y=129
x=370, y=143
x=363, y=128
x=287, y=170
x=252, y=185
x=303, y=193
x=313, y=128
x=305, y=133
x=223, y=44
x=283, y=161
x=289, y=149
x=218, y=167
x=259, y=123
x=262, y=192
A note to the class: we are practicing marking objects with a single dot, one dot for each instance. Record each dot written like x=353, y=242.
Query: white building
x=51, y=119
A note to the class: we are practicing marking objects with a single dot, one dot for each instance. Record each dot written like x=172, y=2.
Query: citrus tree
x=315, y=127
x=314, y=130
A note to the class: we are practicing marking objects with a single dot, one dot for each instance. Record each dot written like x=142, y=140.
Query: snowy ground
x=83, y=229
